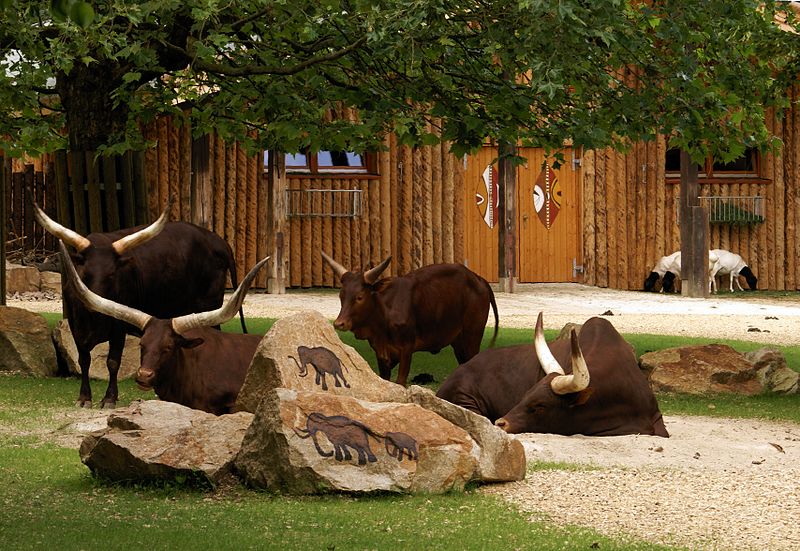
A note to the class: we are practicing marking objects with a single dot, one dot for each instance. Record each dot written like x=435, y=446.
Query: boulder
x=774, y=374
x=154, y=440
x=25, y=343
x=501, y=457
x=303, y=442
x=701, y=369
x=68, y=352
x=303, y=352
x=21, y=279
x=50, y=282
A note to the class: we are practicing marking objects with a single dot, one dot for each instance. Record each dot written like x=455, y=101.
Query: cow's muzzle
x=503, y=424
x=145, y=379
x=341, y=325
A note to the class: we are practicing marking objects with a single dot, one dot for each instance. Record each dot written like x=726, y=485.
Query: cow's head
x=650, y=282
x=547, y=404
x=101, y=267
x=162, y=339
x=357, y=293
x=752, y=280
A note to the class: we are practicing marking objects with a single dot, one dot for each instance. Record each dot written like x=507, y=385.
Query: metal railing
x=731, y=209
x=332, y=203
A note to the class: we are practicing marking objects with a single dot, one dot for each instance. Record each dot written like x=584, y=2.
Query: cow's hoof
x=84, y=404
x=108, y=404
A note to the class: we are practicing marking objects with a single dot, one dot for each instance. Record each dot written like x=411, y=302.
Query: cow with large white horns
x=425, y=310
x=183, y=359
x=590, y=384
x=166, y=269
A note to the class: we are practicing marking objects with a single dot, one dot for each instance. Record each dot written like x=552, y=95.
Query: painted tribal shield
x=487, y=197
x=547, y=196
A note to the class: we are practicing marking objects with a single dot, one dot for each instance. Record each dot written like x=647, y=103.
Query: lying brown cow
x=600, y=392
x=426, y=309
x=183, y=359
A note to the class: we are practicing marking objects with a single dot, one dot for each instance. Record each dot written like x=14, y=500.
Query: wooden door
x=549, y=238
x=548, y=219
x=480, y=213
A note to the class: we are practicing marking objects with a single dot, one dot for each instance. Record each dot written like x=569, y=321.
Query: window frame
x=706, y=173
x=369, y=167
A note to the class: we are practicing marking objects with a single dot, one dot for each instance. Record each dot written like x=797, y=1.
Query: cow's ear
x=191, y=343
x=582, y=397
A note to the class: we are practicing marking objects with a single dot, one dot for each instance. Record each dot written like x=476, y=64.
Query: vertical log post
x=507, y=207
x=277, y=223
x=5, y=175
x=694, y=233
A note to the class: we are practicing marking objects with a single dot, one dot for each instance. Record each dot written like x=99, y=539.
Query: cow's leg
x=84, y=362
x=385, y=368
x=115, y=346
x=405, y=367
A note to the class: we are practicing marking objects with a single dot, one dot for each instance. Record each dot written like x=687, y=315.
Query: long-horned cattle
x=425, y=310
x=599, y=391
x=166, y=269
x=733, y=265
x=184, y=359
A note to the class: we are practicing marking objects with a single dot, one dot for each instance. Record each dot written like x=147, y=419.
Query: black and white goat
x=669, y=268
x=664, y=268
x=733, y=265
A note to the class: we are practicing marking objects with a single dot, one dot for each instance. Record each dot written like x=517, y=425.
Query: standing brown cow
x=426, y=309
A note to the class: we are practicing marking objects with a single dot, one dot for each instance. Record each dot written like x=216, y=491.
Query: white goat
x=662, y=267
x=733, y=265
x=669, y=267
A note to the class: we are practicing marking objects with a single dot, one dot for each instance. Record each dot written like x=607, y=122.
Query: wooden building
x=601, y=218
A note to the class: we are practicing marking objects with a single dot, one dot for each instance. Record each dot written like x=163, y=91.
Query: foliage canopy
x=270, y=72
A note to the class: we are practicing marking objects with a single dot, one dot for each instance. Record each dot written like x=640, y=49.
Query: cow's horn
x=579, y=378
x=371, y=276
x=145, y=234
x=337, y=268
x=64, y=234
x=182, y=324
x=99, y=304
x=546, y=359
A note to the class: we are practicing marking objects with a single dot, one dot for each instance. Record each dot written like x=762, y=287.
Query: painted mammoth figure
x=343, y=433
x=398, y=443
x=324, y=362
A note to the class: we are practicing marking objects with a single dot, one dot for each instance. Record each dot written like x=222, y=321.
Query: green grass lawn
x=50, y=500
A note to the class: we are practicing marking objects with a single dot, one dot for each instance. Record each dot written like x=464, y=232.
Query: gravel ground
x=721, y=484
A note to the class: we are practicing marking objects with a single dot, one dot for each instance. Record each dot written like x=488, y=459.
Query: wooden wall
x=411, y=211
x=630, y=216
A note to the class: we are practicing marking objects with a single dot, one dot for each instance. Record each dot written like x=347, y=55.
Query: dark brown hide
x=509, y=384
x=203, y=369
x=425, y=310
x=181, y=270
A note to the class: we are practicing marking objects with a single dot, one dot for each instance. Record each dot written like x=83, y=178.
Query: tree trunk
x=86, y=94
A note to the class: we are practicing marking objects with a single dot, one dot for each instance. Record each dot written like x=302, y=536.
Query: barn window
x=745, y=166
x=328, y=161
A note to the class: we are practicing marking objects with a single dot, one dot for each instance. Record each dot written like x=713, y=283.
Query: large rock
x=774, y=374
x=21, y=279
x=25, y=343
x=701, y=369
x=303, y=442
x=50, y=282
x=154, y=440
x=308, y=339
x=65, y=345
x=501, y=457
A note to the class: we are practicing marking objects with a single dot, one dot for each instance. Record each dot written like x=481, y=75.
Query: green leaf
x=82, y=13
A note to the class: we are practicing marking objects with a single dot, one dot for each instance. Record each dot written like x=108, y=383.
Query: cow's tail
x=235, y=284
x=496, y=317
